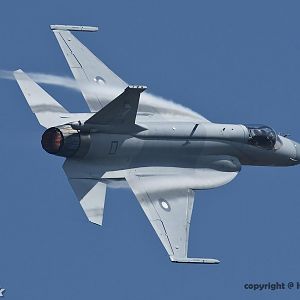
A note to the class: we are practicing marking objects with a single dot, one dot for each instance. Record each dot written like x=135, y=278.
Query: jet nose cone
x=296, y=157
x=297, y=152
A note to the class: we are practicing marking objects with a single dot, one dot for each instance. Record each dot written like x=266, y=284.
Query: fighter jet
x=2, y=292
x=163, y=158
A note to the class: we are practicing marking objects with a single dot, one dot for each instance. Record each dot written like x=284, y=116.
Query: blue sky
x=232, y=61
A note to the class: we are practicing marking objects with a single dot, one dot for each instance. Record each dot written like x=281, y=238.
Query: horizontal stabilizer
x=195, y=260
x=121, y=110
x=45, y=108
x=91, y=194
x=74, y=28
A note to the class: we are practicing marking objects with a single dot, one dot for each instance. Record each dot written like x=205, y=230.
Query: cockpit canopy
x=262, y=136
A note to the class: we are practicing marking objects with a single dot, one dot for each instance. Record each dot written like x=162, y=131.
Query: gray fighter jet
x=162, y=158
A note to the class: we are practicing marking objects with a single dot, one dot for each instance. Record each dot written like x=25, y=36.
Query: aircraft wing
x=100, y=85
x=166, y=194
x=167, y=201
x=90, y=72
x=169, y=212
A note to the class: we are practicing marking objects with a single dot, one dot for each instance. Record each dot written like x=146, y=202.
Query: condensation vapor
x=62, y=81
x=160, y=104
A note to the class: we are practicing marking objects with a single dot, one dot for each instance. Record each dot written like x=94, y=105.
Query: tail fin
x=122, y=110
x=46, y=109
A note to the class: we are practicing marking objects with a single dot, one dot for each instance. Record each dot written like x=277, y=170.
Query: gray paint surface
x=163, y=162
x=228, y=59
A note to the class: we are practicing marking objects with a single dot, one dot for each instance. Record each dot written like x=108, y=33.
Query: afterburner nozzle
x=62, y=141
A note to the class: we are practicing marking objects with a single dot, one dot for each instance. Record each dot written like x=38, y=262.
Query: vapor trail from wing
x=147, y=99
x=57, y=80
